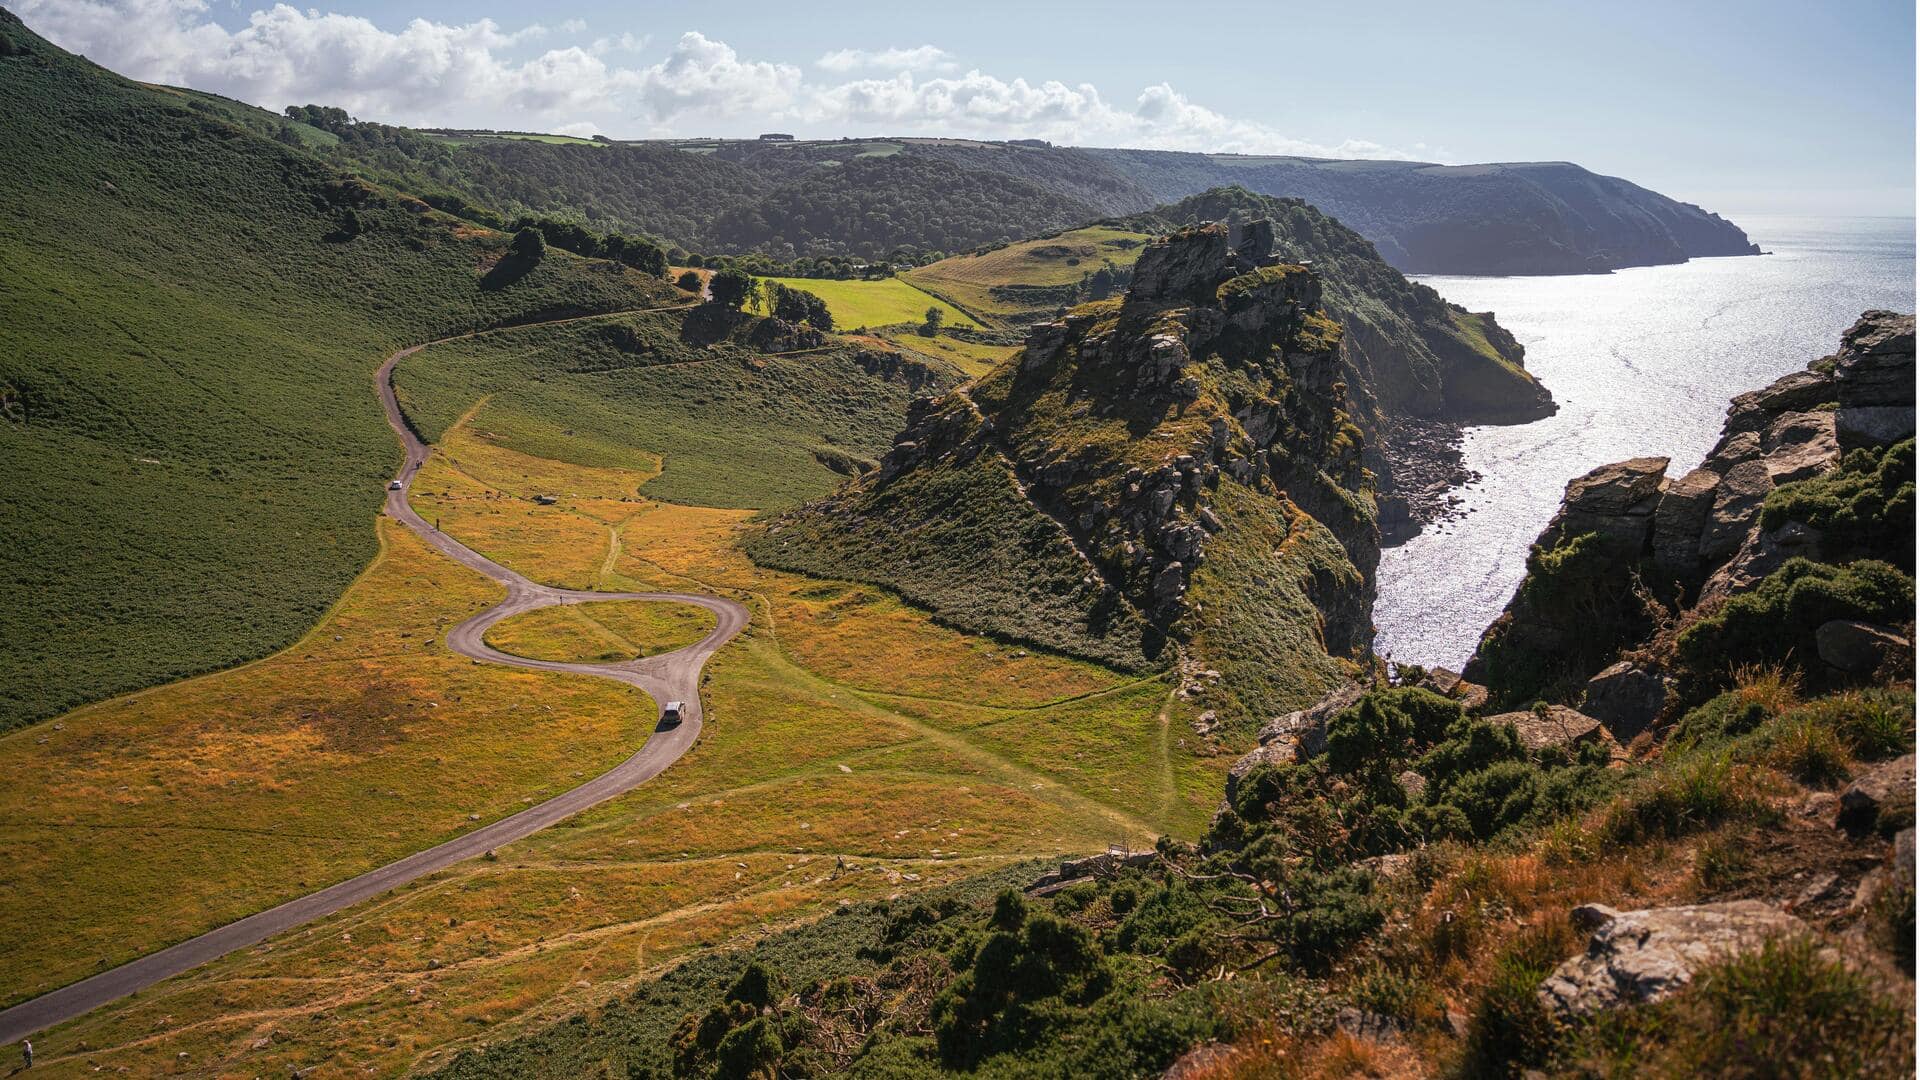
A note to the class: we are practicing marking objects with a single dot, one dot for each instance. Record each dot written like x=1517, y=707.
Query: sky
x=1757, y=107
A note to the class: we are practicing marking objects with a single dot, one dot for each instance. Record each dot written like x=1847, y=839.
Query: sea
x=1642, y=363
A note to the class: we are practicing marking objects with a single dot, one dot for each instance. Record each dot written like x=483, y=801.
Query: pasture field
x=886, y=302
x=853, y=750
x=607, y=632
x=972, y=358
x=990, y=283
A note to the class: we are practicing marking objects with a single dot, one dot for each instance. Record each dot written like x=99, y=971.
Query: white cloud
x=706, y=78
x=573, y=26
x=481, y=75
x=920, y=58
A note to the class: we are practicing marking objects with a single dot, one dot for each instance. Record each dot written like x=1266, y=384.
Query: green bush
x=1863, y=508
x=1774, y=623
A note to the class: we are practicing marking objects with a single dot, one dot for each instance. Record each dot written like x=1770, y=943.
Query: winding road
x=666, y=677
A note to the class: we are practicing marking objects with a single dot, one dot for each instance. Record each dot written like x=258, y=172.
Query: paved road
x=667, y=677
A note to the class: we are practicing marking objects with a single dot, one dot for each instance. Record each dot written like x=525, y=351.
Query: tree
x=528, y=245
x=689, y=281
x=935, y=317
x=730, y=288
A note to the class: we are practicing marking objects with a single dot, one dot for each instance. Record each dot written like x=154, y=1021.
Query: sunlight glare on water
x=1642, y=363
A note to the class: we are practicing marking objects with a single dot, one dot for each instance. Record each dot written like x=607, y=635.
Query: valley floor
x=853, y=749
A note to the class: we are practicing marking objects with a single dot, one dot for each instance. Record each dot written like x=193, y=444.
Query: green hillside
x=732, y=426
x=192, y=448
x=1033, y=278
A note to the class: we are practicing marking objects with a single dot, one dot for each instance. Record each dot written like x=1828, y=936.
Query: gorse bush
x=1776, y=620
x=1863, y=508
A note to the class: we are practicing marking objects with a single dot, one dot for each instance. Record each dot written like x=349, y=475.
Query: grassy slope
x=607, y=632
x=886, y=302
x=843, y=723
x=187, y=360
x=980, y=282
x=735, y=429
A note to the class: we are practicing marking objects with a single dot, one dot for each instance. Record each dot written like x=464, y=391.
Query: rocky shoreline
x=1429, y=469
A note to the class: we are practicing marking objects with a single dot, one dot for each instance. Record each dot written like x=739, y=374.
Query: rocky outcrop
x=1196, y=429
x=1626, y=698
x=1628, y=530
x=1634, y=957
x=1879, y=797
x=1554, y=726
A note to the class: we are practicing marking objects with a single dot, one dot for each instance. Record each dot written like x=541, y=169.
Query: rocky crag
x=1806, y=501
x=1417, y=367
x=1175, y=468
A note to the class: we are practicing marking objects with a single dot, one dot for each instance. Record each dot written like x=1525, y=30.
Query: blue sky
x=1756, y=107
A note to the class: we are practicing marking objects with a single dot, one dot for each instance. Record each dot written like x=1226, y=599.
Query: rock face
x=1553, y=725
x=1700, y=538
x=1857, y=647
x=1192, y=434
x=1642, y=956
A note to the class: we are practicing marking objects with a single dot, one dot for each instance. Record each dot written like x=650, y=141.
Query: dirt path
x=673, y=676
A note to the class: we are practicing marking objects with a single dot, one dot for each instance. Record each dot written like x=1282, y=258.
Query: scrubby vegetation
x=193, y=310
x=1863, y=508
x=1284, y=913
x=1775, y=622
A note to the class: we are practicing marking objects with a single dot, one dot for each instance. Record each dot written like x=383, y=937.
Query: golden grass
x=606, y=632
x=852, y=749
x=142, y=820
x=969, y=279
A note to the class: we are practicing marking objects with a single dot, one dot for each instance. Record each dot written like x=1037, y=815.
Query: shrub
x=528, y=246
x=1785, y=1010
x=1864, y=507
x=1382, y=730
x=688, y=281
x=1775, y=621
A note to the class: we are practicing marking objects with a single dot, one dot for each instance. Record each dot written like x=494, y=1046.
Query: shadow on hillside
x=506, y=272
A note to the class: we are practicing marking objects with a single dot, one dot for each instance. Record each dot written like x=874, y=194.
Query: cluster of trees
x=638, y=252
x=865, y=212
x=734, y=288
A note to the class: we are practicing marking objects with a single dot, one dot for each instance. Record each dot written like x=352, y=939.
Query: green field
x=551, y=140
x=193, y=313
x=886, y=302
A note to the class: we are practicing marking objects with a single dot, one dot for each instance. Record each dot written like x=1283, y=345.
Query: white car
x=393, y=486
